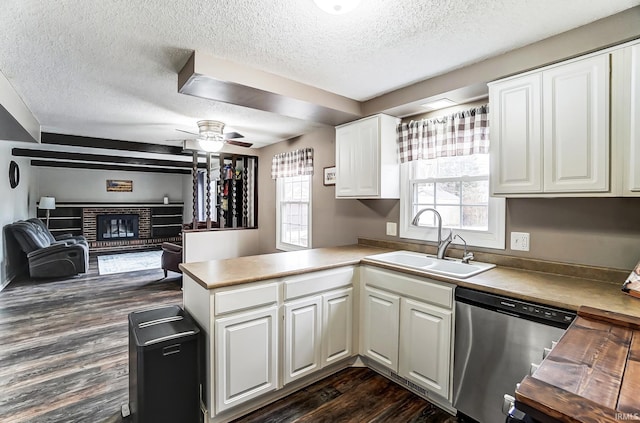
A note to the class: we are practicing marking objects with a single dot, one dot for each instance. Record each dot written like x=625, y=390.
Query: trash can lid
x=160, y=325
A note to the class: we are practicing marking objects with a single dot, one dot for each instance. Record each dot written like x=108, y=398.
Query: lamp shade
x=47, y=203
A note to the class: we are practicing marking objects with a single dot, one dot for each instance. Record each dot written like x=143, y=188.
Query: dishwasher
x=497, y=340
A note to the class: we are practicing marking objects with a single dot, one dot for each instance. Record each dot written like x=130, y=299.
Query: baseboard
x=7, y=281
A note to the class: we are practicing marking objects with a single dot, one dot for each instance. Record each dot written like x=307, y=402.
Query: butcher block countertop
x=592, y=374
x=547, y=288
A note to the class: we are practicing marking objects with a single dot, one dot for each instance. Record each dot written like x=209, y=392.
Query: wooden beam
x=103, y=158
x=78, y=141
x=105, y=166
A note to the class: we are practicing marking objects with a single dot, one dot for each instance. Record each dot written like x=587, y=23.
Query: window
x=458, y=187
x=293, y=213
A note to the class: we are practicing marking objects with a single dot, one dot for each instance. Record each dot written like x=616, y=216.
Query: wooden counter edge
x=610, y=317
x=548, y=403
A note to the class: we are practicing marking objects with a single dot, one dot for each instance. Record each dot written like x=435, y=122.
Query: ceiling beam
x=61, y=155
x=222, y=80
x=105, y=166
x=78, y=141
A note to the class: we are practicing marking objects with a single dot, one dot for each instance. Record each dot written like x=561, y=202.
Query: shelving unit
x=166, y=221
x=63, y=220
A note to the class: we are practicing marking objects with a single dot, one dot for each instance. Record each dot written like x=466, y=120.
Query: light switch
x=392, y=228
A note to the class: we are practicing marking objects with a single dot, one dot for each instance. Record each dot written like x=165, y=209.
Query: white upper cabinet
x=367, y=159
x=516, y=135
x=630, y=119
x=550, y=130
x=576, y=126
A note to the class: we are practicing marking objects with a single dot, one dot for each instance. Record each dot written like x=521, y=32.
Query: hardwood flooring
x=63, y=354
x=64, y=358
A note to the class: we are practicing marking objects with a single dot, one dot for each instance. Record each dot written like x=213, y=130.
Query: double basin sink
x=431, y=264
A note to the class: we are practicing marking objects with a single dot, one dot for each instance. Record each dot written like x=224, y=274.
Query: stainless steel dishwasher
x=497, y=339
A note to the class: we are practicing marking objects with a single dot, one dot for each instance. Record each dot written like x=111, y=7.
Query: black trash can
x=164, y=366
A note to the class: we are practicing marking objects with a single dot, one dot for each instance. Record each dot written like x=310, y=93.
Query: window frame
x=493, y=238
x=285, y=246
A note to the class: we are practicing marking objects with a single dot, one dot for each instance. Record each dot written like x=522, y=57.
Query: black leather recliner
x=47, y=258
x=68, y=238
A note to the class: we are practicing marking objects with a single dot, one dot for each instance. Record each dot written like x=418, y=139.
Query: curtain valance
x=292, y=163
x=459, y=134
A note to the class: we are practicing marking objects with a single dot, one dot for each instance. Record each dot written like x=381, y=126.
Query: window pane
x=475, y=192
x=450, y=216
x=475, y=217
x=425, y=169
x=448, y=193
x=427, y=218
x=424, y=193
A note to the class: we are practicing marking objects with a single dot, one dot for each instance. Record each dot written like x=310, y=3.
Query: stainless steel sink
x=432, y=265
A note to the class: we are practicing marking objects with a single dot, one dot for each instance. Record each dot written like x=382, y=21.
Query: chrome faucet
x=442, y=244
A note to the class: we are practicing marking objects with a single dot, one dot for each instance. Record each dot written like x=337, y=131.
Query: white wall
x=217, y=245
x=14, y=204
x=88, y=185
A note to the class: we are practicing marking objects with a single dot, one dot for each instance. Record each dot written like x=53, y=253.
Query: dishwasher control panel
x=516, y=307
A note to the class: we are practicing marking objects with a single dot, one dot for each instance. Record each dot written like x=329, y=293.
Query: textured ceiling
x=109, y=68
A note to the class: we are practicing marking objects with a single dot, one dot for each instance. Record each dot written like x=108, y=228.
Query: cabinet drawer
x=311, y=283
x=231, y=300
x=438, y=293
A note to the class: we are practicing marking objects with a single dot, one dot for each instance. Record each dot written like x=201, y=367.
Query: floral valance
x=292, y=163
x=460, y=134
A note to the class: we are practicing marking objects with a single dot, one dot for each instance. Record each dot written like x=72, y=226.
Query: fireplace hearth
x=117, y=226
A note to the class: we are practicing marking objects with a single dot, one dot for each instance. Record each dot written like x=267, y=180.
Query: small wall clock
x=14, y=174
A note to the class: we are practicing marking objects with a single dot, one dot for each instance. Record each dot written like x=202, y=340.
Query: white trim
x=492, y=238
x=283, y=245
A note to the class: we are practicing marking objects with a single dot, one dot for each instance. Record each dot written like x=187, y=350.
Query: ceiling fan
x=211, y=137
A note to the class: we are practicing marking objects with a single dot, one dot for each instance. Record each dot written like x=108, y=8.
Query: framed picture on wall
x=116, y=185
x=329, y=176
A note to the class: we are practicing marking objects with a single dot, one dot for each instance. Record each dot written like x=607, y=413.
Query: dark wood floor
x=64, y=358
x=63, y=343
x=353, y=395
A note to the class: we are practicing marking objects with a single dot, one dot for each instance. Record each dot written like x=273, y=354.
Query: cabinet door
x=380, y=326
x=576, y=126
x=425, y=346
x=516, y=135
x=337, y=326
x=357, y=159
x=246, y=356
x=302, y=344
x=633, y=167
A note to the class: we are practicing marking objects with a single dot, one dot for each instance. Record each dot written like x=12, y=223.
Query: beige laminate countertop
x=546, y=288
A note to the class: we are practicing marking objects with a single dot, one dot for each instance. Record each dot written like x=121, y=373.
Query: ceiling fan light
x=211, y=145
x=337, y=7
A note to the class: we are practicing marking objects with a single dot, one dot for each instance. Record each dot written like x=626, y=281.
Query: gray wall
x=334, y=222
x=90, y=185
x=590, y=231
x=14, y=204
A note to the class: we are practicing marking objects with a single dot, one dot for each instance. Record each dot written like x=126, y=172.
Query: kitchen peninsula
x=275, y=323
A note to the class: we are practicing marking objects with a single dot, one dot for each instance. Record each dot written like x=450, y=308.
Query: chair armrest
x=55, y=248
x=172, y=248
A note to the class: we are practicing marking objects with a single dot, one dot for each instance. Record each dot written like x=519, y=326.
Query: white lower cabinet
x=425, y=345
x=303, y=325
x=337, y=326
x=381, y=327
x=407, y=326
x=246, y=356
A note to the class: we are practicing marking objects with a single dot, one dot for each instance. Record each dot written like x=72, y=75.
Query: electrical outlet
x=520, y=241
x=392, y=228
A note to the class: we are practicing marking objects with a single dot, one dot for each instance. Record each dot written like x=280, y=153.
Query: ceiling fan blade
x=187, y=132
x=240, y=143
x=232, y=135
